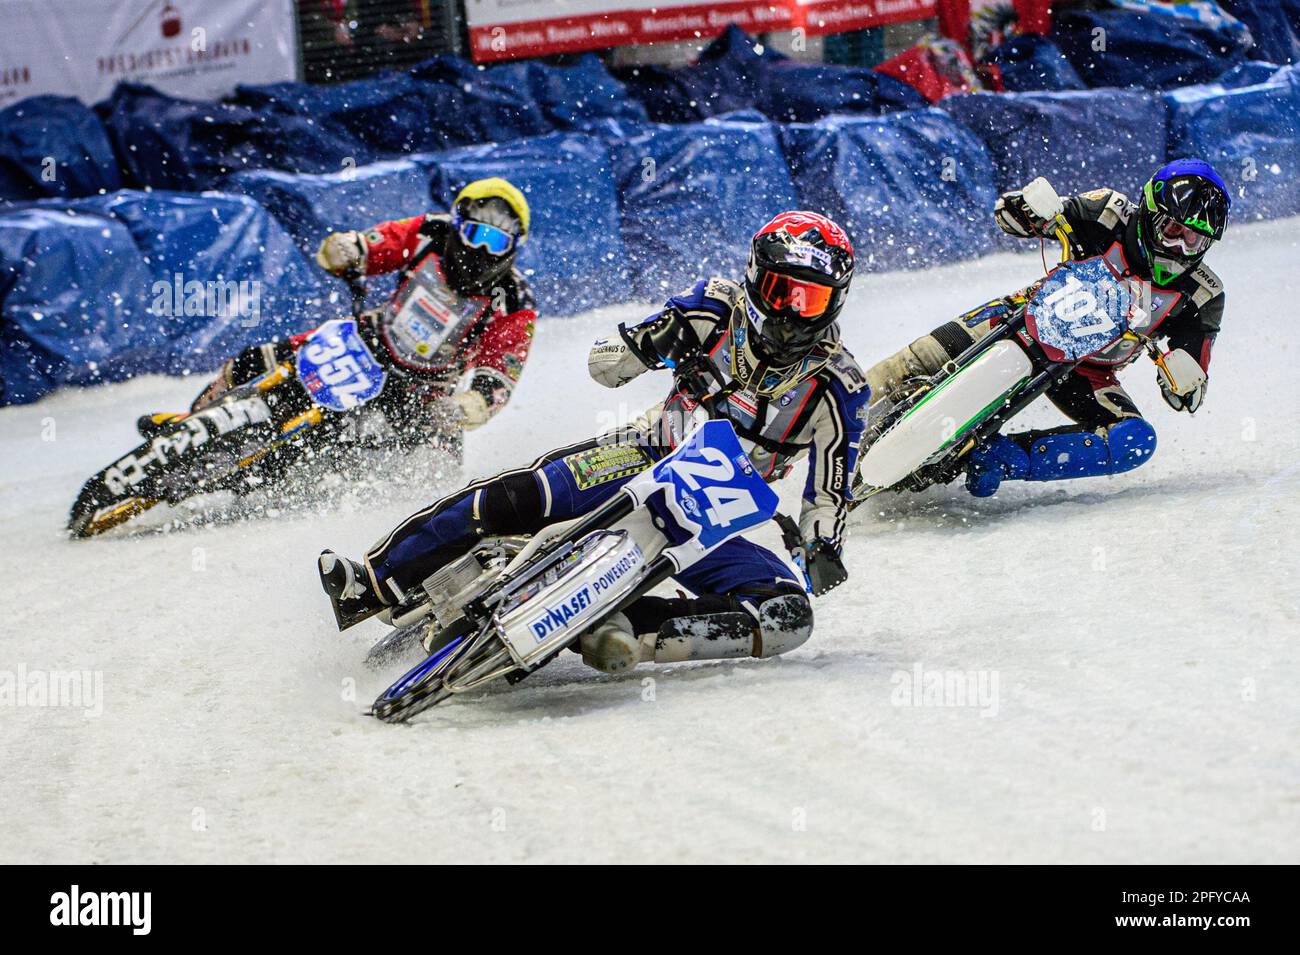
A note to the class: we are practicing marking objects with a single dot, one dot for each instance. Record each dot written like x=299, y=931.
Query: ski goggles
x=1173, y=236
x=781, y=293
x=480, y=235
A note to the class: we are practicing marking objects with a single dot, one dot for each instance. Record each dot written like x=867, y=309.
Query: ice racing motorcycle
x=509, y=606
x=1084, y=308
x=321, y=405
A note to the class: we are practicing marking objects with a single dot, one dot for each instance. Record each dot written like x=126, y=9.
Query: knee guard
x=509, y=505
x=1072, y=454
x=775, y=626
x=924, y=357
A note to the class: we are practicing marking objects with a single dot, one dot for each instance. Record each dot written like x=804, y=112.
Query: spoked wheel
x=462, y=664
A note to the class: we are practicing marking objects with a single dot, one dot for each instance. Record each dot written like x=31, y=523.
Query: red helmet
x=800, y=267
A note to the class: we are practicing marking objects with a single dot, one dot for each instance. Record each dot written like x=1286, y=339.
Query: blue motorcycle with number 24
x=510, y=605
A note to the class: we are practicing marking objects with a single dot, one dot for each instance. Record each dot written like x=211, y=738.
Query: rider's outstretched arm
x=498, y=361
x=836, y=440
x=660, y=341
x=1094, y=216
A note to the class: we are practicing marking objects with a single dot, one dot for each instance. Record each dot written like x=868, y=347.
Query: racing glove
x=342, y=253
x=820, y=560
x=823, y=566
x=1182, y=381
x=670, y=338
x=1026, y=212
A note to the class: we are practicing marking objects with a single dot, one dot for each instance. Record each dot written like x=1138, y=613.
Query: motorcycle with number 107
x=1086, y=308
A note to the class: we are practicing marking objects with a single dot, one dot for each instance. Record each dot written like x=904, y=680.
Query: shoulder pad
x=715, y=296
x=847, y=371
x=1208, y=284
x=724, y=290
x=519, y=294
x=1106, y=207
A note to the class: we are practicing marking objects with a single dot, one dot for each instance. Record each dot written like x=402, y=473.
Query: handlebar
x=356, y=284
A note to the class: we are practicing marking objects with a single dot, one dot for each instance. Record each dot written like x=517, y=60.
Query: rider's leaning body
x=1162, y=240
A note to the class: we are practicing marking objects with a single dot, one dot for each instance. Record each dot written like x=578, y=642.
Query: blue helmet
x=1184, y=211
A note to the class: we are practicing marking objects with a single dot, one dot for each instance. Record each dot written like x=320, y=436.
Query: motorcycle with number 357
x=327, y=402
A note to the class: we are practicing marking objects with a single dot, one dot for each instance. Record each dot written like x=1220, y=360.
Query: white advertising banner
x=504, y=29
x=192, y=48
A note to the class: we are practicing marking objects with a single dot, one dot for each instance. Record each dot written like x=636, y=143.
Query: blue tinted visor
x=480, y=235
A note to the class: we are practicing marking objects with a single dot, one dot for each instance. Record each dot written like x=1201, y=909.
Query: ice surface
x=1140, y=633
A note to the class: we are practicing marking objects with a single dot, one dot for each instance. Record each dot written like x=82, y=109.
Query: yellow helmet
x=497, y=188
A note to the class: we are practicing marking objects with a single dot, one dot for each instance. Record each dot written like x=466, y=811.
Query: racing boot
x=611, y=646
x=347, y=583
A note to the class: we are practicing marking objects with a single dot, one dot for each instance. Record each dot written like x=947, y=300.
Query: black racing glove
x=824, y=567
x=820, y=561
x=672, y=338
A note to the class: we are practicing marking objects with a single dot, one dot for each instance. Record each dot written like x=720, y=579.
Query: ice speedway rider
x=766, y=354
x=1164, y=237
x=484, y=299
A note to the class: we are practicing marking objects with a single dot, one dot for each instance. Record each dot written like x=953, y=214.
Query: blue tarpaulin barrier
x=54, y=146
x=913, y=189
x=1029, y=62
x=168, y=143
x=1252, y=137
x=96, y=289
x=1275, y=37
x=571, y=97
x=391, y=114
x=735, y=73
x=1123, y=48
x=1079, y=140
x=692, y=196
x=725, y=79
x=310, y=207
x=1250, y=73
x=574, y=256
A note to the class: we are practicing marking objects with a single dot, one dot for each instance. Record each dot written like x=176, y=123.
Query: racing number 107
x=1074, y=304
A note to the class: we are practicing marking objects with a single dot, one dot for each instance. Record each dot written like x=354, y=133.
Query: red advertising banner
x=508, y=29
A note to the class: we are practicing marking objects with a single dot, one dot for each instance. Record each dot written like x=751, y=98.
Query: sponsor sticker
x=606, y=463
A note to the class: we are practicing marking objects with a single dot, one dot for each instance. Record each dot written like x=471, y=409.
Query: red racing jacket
x=428, y=337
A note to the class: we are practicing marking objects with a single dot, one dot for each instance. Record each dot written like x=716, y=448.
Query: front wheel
x=943, y=420
x=464, y=663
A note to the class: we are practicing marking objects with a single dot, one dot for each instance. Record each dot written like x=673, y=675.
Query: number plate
x=1079, y=309
x=714, y=485
x=337, y=368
